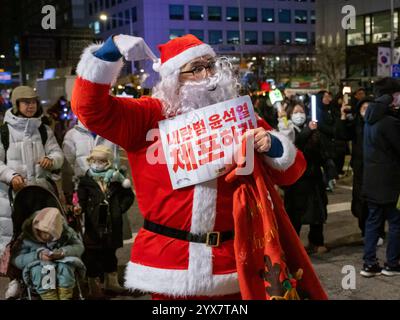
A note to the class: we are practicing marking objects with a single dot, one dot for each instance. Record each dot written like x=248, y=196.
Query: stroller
x=27, y=201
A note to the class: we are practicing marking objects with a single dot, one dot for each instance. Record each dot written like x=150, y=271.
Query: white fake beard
x=192, y=95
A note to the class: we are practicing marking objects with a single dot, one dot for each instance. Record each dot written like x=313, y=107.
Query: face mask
x=299, y=118
x=98, y=166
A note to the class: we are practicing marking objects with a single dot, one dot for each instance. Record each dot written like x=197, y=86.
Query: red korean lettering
x=173, y=138
x=184, y=157
x=229, y=136
x=199, y=128
x=243, y=111
x=215, y=121
x=186, y=133
x=229, y=115
x=210, y=149
x=245, y=126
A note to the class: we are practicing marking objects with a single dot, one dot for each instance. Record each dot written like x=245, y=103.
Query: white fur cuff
x=178, y=283
x=96, y=70
x=289, y=153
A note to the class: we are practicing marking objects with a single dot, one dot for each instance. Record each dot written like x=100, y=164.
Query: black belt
x=212, y=239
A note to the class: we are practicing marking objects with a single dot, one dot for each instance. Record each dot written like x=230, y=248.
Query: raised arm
x=124, y=121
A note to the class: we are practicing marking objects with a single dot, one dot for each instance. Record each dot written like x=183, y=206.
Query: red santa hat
x=179, y=51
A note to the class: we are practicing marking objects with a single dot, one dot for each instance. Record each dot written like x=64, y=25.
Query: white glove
x=133, y=48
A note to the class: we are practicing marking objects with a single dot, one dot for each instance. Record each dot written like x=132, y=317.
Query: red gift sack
x=270, y=258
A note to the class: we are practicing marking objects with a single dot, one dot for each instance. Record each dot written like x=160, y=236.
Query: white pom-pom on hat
x=157, y=65
x=126, y=184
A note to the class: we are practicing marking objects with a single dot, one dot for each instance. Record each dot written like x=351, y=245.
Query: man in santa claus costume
x=185, y=248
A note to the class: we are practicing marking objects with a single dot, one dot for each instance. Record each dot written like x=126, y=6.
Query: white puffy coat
x=24, y=152
x=77, y=146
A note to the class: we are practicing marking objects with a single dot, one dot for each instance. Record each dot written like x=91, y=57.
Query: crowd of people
x=174, y=254
x=370, y=123
x=90, y=182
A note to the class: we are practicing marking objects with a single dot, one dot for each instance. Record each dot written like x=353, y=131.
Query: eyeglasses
x=200, y=69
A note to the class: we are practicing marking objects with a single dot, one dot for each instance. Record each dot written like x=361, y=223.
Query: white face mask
x=299, y=118
x=98, y=166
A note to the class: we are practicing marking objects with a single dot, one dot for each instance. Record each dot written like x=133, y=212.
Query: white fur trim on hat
x=184, y=57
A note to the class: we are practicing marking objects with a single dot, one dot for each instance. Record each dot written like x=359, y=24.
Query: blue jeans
x=64, y=276
x=376, y=216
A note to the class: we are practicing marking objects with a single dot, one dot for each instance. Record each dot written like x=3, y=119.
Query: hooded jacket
x=77, y=145
x=381, y=153
x=23, y=154
x=27, y=255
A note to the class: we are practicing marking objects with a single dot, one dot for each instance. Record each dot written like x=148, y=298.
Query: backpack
x=5, y=137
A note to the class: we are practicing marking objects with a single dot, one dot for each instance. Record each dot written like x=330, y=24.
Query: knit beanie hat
x=49, y=220
x=178, y=52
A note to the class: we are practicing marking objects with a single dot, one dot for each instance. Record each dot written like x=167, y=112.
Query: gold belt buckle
x=210, y=236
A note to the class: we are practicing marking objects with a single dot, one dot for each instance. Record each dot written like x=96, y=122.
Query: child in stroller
x=47, y=250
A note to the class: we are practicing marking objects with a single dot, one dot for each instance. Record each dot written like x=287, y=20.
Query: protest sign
x=200, y=145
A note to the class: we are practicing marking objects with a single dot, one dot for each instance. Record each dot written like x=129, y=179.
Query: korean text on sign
x=200, y=145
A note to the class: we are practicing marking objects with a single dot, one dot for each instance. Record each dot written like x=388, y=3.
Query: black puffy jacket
x=381, y=153
x=98, y=216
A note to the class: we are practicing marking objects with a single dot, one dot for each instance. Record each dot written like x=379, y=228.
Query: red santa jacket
x=158, y=263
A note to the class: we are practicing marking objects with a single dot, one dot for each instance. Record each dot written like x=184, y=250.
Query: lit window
x=380, y=27
x=301, y=38
x=300, y=16
x=96, y=27
x=268, y=15
x=232, y=14
x=355, y=37
x=285, y=37
x=233, y=37
x=312, y=16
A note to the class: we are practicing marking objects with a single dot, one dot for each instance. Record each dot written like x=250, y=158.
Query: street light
x=103, y=17
x=2, y=56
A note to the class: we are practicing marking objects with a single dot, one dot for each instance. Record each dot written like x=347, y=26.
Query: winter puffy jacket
x=381, y=153
x=26, y=255
x=24, y=152
x=77, y=145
